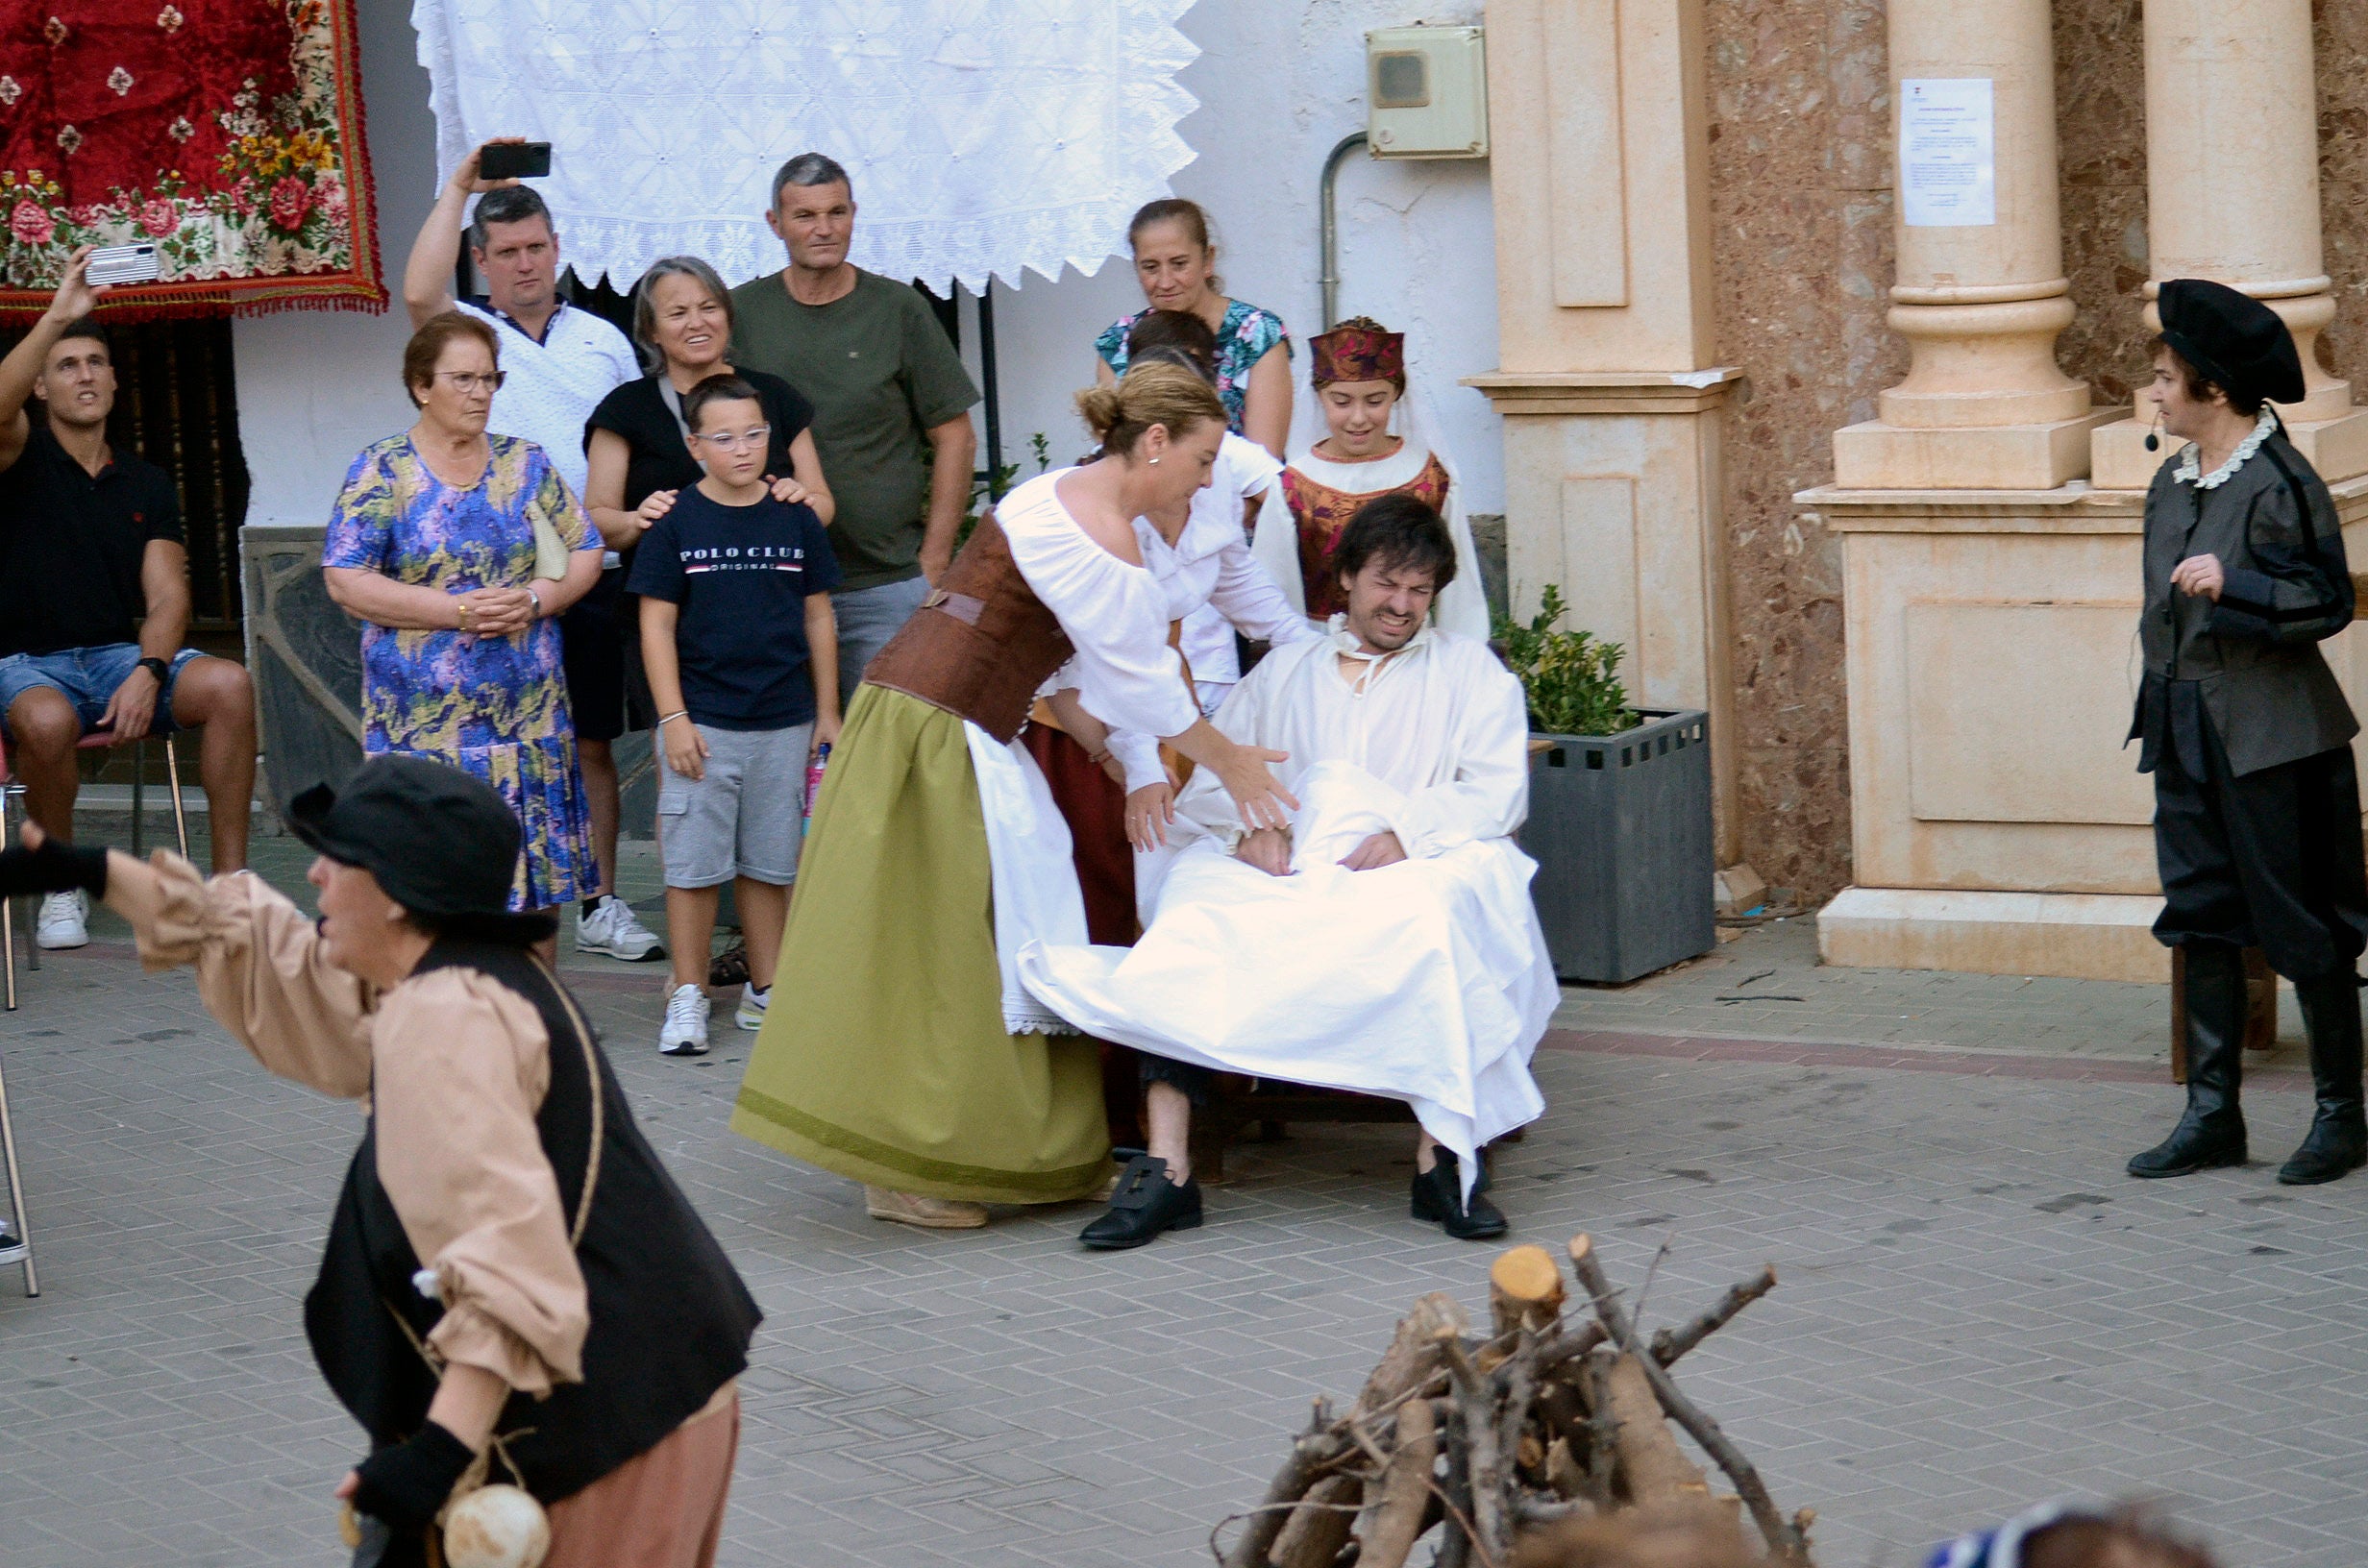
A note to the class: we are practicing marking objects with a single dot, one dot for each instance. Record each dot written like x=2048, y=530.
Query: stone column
x=2232, y=194
x=1609, y=382
x=1984, y=406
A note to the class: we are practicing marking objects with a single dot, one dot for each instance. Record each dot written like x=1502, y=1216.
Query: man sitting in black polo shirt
x=94, y=597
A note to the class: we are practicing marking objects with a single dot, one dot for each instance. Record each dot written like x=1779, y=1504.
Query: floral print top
x=495, y=706
x=1242, y=339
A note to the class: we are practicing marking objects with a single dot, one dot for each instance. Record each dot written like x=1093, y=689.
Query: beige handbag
x=551, y=552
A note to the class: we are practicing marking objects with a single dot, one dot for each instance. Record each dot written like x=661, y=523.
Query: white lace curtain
x=983, y=136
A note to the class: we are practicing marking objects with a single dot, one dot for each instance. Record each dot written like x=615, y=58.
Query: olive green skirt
x=883, y=1055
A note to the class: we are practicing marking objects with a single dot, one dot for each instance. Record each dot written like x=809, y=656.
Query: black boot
x=1439, y=1197
x=2338, y=1139
x=1147, y=1202
x=2212, y=1132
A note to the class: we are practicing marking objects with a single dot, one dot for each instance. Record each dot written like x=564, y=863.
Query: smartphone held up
x=514, y=160
x=112, y=265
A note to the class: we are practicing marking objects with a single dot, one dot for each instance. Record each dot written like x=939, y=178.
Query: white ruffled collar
x=2191, y=461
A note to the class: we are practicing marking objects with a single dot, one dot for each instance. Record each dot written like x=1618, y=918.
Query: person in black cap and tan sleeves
x=2256, y=800
x=513, y=1289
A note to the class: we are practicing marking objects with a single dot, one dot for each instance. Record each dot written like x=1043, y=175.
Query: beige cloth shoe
x=930, y=1213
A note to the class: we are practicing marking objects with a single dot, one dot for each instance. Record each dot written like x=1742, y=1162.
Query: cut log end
x=1527, y=1274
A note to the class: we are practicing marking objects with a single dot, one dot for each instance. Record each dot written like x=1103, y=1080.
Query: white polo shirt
x=550, y=388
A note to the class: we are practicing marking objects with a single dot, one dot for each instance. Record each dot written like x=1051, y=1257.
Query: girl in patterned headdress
x=1358, y=372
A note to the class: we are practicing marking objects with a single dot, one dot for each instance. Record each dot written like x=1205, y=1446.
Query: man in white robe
x=1387, y=943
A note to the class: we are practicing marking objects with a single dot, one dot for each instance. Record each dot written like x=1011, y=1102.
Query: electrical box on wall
x=1427, y=92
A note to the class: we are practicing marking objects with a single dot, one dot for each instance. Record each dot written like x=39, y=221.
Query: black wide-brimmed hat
x=2232, y=340
x=443, y=844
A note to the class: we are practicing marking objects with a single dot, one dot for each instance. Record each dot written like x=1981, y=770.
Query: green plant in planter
x=1570, y=677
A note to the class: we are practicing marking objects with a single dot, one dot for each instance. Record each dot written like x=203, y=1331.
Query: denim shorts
x=88, y=676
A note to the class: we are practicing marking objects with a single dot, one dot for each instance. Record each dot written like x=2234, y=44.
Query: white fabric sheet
x=983, y=136
x=1035, y=882
x=1427, y=981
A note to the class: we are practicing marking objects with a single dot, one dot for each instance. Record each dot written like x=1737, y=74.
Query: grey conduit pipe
x=1330, y=240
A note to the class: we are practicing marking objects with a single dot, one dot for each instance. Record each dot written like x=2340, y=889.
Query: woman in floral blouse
x=433, y=548
x=1176, y=266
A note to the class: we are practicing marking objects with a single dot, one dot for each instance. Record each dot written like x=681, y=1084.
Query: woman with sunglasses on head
x=459, y=550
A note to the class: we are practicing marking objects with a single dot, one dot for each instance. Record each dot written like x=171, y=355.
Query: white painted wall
x=316, y=386
x=1278, y=85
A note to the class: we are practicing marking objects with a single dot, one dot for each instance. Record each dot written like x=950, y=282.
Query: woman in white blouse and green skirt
x=910, y=1058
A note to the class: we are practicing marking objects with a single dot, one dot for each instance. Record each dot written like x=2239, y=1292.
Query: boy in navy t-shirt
x=742, y=655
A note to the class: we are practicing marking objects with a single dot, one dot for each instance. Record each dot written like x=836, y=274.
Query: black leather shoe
x=1439, y=1197
x=1146, y=1203
x=2211, y=1133
x=2337, y=1143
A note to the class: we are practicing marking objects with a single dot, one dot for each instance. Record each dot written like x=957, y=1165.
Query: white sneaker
x=752, y=1011
x=611, y=928
x=63, y=921
x=684, y=1032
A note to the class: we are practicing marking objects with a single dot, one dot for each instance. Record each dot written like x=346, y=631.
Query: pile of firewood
x=1484, y=1437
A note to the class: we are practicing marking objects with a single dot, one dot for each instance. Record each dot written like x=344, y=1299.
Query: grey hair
x=645, y=313
x=512, y=204
x=810, y=169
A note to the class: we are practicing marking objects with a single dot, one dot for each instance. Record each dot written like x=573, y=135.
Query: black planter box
x=1620, y=828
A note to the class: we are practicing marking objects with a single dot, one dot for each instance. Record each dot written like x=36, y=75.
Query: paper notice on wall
x=1948, y=153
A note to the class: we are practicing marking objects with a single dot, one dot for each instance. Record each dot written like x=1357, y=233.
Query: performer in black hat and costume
x=2256, y=802
x=510, y=1273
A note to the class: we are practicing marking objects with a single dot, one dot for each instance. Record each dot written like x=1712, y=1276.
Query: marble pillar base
x=2072, y=935
x=2118, y=458
x=1878, y=456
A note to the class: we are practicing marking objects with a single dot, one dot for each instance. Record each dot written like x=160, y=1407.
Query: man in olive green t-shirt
x=891, y=400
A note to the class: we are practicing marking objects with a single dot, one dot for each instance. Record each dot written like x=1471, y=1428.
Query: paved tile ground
x=1977, y=1309
x=1766, y=983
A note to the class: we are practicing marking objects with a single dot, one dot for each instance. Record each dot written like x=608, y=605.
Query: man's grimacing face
x=1387, y=602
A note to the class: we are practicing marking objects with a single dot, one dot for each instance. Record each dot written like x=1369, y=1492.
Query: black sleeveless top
x=670, y=1320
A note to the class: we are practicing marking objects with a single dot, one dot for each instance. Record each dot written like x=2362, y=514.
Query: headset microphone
x=2154, y=437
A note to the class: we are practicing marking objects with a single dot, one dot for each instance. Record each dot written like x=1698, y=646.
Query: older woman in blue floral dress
x=433, y=546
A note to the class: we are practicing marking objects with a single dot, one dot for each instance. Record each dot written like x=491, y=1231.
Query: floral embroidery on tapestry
x=230, y=142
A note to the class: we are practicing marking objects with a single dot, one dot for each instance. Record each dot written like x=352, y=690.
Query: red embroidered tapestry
x=227, y=131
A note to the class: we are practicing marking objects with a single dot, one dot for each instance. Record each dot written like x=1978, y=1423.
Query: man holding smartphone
x=558, y=363
x=94, y=597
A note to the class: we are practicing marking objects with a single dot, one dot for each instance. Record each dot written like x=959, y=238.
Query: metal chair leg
x=181, y=817
x=140, y=786
x=8, y=792
x=23, y=1250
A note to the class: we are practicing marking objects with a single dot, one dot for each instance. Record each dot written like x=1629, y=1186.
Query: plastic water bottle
x=814, y=777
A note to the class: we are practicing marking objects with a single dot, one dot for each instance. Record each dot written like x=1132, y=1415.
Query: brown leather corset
x=980, y=643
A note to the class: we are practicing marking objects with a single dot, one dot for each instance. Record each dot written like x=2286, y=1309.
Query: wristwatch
x=156, y=668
